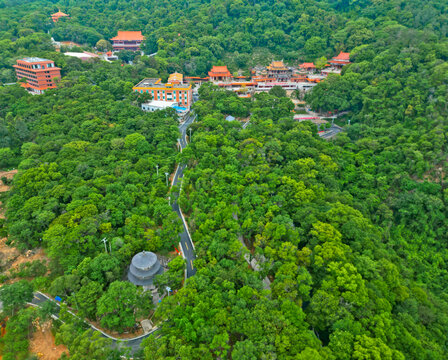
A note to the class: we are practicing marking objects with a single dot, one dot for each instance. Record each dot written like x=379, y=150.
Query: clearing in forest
x=3, y=187
x=42, y=344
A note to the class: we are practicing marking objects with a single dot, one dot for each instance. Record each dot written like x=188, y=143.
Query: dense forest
x=350, y=235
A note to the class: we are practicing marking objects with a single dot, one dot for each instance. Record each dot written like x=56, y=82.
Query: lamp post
x=104, y=240
x=190, y=134
x=157, y=167
x=166, y=176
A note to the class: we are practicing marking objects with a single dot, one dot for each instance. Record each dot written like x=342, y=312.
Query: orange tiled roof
x=219, y=71
x=59, y=14
x=307, y=66
x=342, y=56
x=129, y=35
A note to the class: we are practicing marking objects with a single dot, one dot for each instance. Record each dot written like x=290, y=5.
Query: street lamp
x=104, y=240
x=190, y=134
x=157, y=167
x=166, y=176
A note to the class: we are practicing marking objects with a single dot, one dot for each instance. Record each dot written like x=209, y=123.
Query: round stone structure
x=144, y=267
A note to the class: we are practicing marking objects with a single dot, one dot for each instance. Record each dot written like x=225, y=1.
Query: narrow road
x=185, y=239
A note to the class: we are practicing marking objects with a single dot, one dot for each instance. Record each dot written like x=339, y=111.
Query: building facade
x=127, y=40
x=40, y=74
x=174, y=91
x=155, y=105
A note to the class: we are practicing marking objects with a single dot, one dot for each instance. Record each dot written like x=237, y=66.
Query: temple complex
x=39, y=74
x=127, y=40
x=179, y=91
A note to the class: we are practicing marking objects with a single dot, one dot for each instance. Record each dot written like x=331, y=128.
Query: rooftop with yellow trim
x=277, y=65
x=176, y=78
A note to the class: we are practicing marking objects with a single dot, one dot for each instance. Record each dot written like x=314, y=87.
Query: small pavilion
x=144, y=267
x=56, y=16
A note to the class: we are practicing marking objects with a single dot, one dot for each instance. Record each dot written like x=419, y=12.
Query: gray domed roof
x=144, y=260
x=144, y=267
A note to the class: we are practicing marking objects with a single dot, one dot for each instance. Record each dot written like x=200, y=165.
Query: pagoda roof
x=277, y=65
x=220, y=71
x=129, y=35
x=175, y=77
x=59, y=14
x=307, y=66
x=343, y=56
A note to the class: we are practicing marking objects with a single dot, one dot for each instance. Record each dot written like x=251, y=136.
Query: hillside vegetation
x=352, y=233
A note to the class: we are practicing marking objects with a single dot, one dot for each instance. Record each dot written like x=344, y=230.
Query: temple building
x=56, y=16
x=279, y=71
x=341, y=60
x=176, y=78
x=174, y=90
x=308, y=66
x=220, y=74
x=127, y=40
x=39, y=74
x=144, y=267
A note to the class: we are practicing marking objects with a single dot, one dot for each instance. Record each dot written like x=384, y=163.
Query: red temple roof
x=307, y=66
x=129, y=35
x=219, y=71
x=343, y=56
